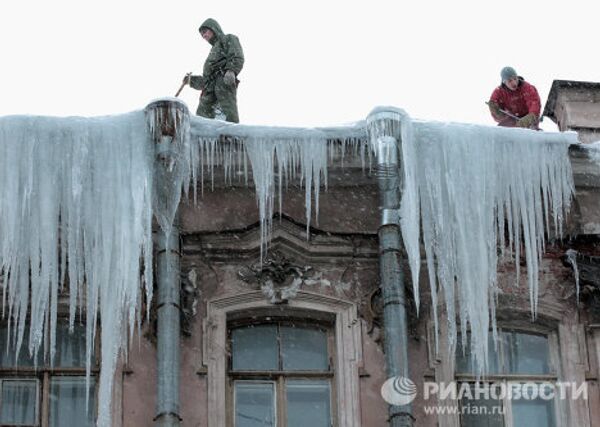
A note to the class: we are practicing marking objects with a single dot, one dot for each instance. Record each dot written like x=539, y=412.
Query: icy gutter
x=206, y=128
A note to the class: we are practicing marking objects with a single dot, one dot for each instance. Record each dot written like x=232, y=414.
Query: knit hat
x=507, y=73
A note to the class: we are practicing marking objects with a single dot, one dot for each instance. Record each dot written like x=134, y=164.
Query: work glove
x=229, y=78
x=495, y=110
x=528, y=121
x=196, y=82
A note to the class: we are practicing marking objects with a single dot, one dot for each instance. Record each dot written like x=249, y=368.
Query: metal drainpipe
x=167, y=330
x=384, y=133
x=165, y=119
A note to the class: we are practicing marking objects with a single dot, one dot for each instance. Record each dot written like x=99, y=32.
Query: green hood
x=214, y=26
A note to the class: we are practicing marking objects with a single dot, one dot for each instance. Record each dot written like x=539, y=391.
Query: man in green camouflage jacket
x=218, y=81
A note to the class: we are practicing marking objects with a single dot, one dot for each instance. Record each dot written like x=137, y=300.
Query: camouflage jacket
x=226, y=54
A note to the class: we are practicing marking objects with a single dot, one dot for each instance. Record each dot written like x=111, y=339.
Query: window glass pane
x=18, y=402
x=480, y=411
x=68, y=402
x=464, y=361
x=70, y=347
x=538, y=412
x=308, y=403
x=527, y=353
x=255, y=348
x=304, y=349
x=8, y=347
x=254, y=404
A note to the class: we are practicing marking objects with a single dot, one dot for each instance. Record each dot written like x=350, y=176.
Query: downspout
x=384, y=134
x=167, y=329
x=168, y=121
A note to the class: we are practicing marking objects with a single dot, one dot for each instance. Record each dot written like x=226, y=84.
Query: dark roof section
x=561, y=84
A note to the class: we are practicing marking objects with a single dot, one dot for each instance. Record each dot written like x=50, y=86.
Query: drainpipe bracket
x=390, y=216
x=169, y=245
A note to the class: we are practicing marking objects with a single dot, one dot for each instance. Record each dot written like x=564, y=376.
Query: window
x=281, y=375
x=33, y=393
x=518, y=358
x=227, y=313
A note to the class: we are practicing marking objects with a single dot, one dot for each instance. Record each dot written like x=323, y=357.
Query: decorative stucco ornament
x=277, y=277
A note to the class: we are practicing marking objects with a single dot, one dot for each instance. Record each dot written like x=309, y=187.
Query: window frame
x=510, y=379
x=348, y=344
x=37, y=402
x=44, y=373
x=278, y=377
x=513, y=310
x=231, y=398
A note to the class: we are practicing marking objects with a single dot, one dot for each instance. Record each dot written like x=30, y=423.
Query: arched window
x=282, y=363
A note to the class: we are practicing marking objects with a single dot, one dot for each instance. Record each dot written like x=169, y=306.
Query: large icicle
x=168, y=123
x=85, y=186
x=285, y=160
x=461, y=182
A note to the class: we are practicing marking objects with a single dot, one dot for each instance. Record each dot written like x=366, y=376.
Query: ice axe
x=185, y=81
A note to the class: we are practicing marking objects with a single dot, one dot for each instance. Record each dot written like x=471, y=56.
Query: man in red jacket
x=515, y=103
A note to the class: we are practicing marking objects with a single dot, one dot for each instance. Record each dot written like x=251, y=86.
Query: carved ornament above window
x=277, y=277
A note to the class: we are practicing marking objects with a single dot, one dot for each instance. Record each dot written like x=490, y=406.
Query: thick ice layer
x=173, y=154
x=76, y=199
x=75, y=202
x=462, y=185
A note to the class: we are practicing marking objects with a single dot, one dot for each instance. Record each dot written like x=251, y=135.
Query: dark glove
x=528, y=121
x=196, y=82
x=229, y=78
x=495, y=110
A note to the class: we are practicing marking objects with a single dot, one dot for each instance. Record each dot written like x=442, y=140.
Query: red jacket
x=520, y=102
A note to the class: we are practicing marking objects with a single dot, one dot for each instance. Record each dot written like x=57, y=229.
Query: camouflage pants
x=224, y=97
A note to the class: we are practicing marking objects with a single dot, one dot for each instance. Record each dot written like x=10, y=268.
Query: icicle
x=90, y=185
x=572, y=259
x=298, y=153
x=277, y=156
x=168, y=123
x=461, y=182
x=86, y=184
x=304, y=157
